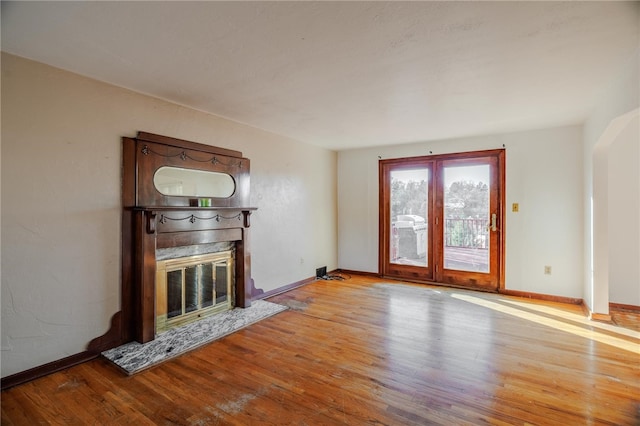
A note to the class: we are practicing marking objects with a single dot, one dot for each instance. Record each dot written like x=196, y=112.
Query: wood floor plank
x=369, y=351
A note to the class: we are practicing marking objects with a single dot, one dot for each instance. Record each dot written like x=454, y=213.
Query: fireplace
x=193, y=287
x=185, y=236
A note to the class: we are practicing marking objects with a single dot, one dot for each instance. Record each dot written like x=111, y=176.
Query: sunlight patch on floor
x=576, y=317
x=623, y=344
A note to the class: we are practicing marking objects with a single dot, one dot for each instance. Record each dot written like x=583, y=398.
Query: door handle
x=493, y=226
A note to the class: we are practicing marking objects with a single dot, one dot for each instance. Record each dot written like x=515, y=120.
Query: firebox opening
x=193, y=287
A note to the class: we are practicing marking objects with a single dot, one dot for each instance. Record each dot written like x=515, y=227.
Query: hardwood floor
x=626, y=318
x=368, y=351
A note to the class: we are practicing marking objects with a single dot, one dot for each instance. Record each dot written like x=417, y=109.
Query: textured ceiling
x=344, y=74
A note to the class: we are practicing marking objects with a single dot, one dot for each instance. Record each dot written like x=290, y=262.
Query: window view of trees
x=467, y=200
x=466, y=209
x=466, y=205
x=463, y=199
x=408, y=197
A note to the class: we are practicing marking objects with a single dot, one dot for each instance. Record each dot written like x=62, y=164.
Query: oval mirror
x=180, y=182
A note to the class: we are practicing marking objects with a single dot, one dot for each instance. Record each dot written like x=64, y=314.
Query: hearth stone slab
x=133, y=357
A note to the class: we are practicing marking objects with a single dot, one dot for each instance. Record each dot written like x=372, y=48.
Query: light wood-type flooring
x=368, y=351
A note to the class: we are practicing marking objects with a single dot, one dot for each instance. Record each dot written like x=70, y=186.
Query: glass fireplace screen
x=192, y=288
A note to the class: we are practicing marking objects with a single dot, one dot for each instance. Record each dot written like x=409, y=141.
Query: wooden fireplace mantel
x=151, y=221
x=172, y=219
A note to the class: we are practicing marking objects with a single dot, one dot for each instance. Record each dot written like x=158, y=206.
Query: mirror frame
x=220, y=185
x=151, y=152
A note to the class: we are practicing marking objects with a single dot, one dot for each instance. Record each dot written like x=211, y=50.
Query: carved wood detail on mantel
x=151, y=220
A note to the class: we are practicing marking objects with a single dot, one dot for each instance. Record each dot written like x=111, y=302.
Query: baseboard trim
x=541, y=296
x=46, y=369
x=285, y=288
x=623, y=307
x=594, y=316
x=351, y=272
x=300, y=283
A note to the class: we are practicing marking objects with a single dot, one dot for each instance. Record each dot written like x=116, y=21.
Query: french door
x=441, y=219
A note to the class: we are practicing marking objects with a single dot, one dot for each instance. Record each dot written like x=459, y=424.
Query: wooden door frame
x=384, y=222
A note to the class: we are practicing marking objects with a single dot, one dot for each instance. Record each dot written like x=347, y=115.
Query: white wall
x=624, y=215
x=616, y=214
x=618, y=97
x=544, y=174
x=61, y=161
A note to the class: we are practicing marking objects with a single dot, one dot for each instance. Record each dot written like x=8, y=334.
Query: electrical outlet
x=547, y=270
x=321, y=272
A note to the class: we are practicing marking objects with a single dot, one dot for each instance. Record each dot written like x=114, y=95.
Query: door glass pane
x=221, y=282
x=206, y=285
x=408, y=239
x=466, y=216
x=174, y=293
x=190, y=288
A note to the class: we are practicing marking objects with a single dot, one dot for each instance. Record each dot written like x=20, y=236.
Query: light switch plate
x=515, y=207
